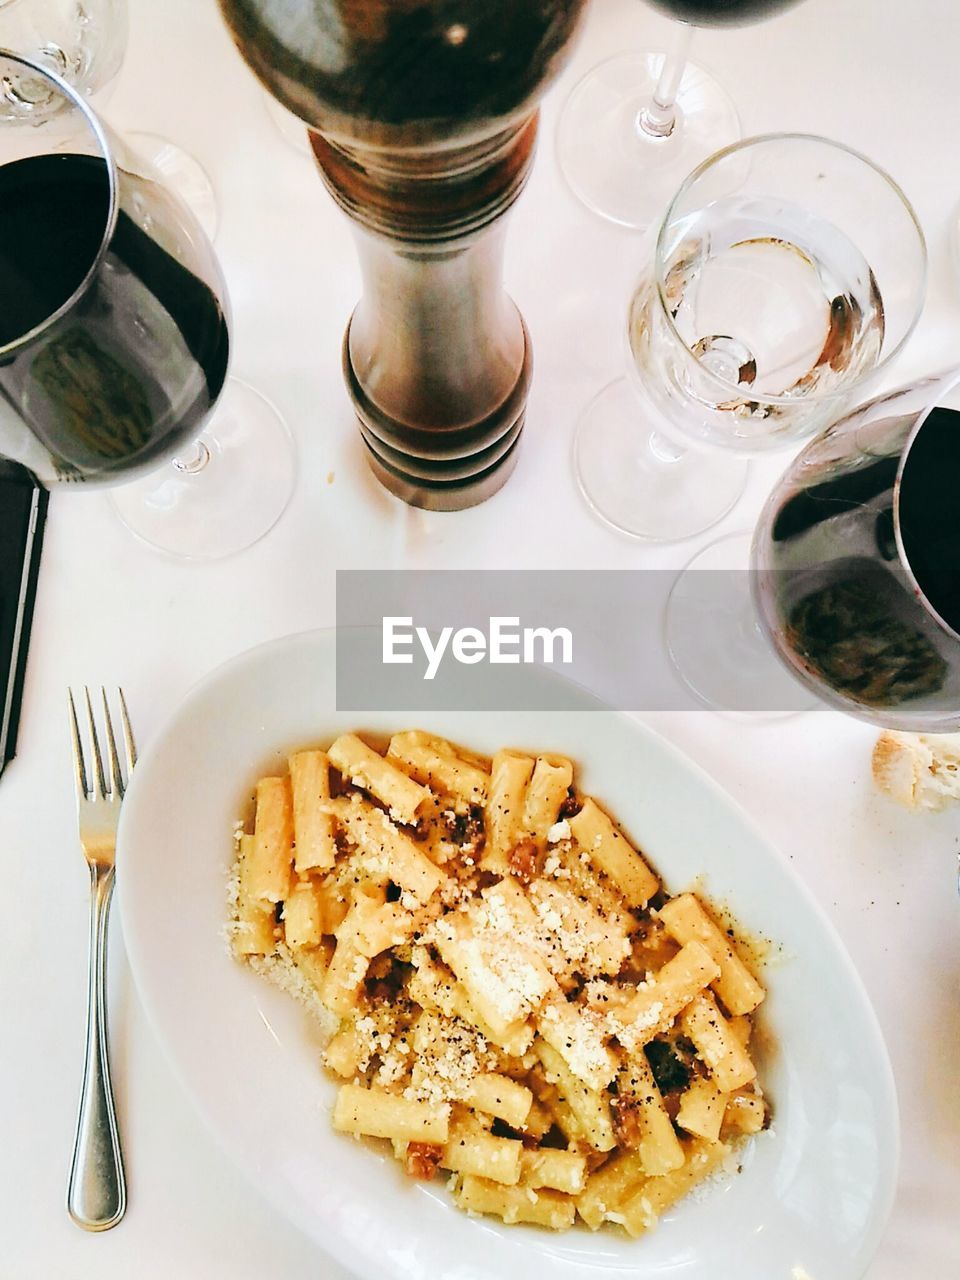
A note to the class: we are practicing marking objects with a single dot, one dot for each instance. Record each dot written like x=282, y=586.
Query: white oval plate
x=815, y=1191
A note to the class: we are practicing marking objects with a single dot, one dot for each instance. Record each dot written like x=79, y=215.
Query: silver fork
x=96, y=1194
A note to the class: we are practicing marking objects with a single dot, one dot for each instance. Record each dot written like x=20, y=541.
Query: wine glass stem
x=665, y=451
x=659, y=117
x=194, y=461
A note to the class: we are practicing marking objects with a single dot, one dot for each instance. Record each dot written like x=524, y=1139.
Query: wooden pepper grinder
x=423, y=122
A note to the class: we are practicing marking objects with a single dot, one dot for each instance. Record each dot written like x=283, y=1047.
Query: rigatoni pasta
x=315, y=845
x=510, y=774
x=271, y=858
x=519, y=1000
x=365, y=768
x=256, y=921
x=437, y=764
x=613, y=854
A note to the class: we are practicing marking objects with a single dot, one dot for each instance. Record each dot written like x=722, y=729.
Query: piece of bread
x=918, y=770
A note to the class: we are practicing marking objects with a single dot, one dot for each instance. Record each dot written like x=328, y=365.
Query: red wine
x=928, y=512
x=53, y=217
x=130, y=369
x=706, y=13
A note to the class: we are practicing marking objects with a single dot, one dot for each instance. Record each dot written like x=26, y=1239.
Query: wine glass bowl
x=789, y=271
x=115, y=339
x=83, y=41
x=708, y=13
x=856, y=561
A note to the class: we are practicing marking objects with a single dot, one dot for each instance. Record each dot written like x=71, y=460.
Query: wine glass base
x=183, y=174
x=637, y=482
x=242, y=479
x=616, y=169
x=716, y=644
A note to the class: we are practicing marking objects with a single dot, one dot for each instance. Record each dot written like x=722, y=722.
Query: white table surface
x=883, y=76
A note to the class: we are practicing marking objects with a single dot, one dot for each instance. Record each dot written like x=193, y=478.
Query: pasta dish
x=518, y=1000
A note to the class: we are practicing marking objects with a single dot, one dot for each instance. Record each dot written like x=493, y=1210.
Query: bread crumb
x=918, y=770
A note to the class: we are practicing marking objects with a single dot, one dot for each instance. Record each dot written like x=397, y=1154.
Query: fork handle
x=96, y=1194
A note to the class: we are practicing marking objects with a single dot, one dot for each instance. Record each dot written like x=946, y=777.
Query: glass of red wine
x=115, y=340
x=848, y=592
x=856, y=561
x=638, y=123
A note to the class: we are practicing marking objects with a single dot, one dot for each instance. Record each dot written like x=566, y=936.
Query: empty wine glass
x=114, y=339
x=856, y=561
x=637, y=124
x=84, y=41
x=788, y=272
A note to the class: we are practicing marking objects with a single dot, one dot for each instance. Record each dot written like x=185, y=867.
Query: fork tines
x=93, y=783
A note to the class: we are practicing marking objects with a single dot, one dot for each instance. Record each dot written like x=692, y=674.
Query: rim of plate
x=336, y=1246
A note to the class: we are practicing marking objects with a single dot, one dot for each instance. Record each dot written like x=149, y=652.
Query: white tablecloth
x=881, y=75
